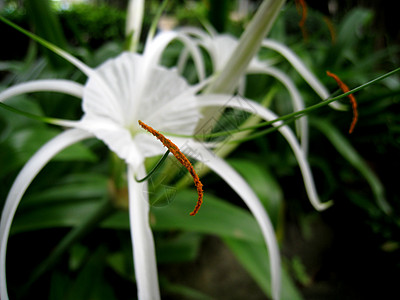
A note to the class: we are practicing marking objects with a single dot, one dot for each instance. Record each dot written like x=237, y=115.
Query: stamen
x=302, y=8
x=353, y=101
x=182, y=159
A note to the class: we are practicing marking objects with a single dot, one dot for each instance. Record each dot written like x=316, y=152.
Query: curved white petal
x=296, y=62
x=21, y=183
x=72, y=59
x=297, y=100
x=240, y=186
x=47, y=85
x=255, y=108
x=249, y=44
x=134, y=20
x=142, y=237
x=156, y=47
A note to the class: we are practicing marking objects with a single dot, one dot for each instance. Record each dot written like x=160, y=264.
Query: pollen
x=353, y=101
x=182, y=159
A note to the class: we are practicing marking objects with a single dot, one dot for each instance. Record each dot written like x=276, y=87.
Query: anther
x=353, y=101
x=182, y=159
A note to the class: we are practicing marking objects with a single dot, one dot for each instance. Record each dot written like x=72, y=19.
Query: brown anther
x=182, y=159
x=353, y=101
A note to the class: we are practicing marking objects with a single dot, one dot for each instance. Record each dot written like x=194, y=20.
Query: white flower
x=134, y=87
x=120, y=92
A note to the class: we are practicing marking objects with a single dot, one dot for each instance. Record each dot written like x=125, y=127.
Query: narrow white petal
x=255, y=108
x=142, y=237
x=73, y=60
x=295, y=96
x=308, y=76
x=156, y=47
x=239, y=185
x=47, y=85
x=248, y=46
x=134, y=20
x=21, y=183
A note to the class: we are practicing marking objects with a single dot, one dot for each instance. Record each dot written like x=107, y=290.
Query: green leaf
x=215, y=217
x=64, y=204
x=183, y=291
x=263, y=184
x=59, y=283
x=254, y=258
x=27, y=141
x=348, y=36
x=91, y=282
x=66, y=214
x=122, y=264
x=183, y=247
x=73, y=188
x=47, y=25
x=351, y=155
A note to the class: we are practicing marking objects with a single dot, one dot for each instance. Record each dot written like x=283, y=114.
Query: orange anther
x=182, y=159
x=353, y=101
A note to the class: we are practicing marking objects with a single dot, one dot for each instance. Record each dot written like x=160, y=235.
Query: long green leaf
x=263, y=184
x=215, y=217
x=254, y=258
x=350, y=154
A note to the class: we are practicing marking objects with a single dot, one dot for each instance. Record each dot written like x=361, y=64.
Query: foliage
x=96, y=262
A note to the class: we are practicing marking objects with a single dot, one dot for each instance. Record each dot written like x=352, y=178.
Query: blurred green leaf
x=73, y=188
x=348, y=37
x=122, y=264
x=183, y=291
x=59, y=283
x=78, y=254
x=66, y=214
x=215, y=217
x=351, y=155
x=47, y=26
x=254, y=258
x=183, y=247
x=91, y=282
x=263, y=184
x=300, y=271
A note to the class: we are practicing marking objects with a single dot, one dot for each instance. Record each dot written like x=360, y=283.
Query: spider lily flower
x=117, y=94
x=134, y=87
x=120, y=92
x=221, y=46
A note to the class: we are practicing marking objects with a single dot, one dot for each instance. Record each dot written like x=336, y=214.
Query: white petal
x=117, y=138
x=221, y=48
x=239, y=185
x=156, y=47
x=48, y=85
x=296, y=62
x=134, y=20
x=255, y=108
x=248, y=46
x=21, y=183
x=114, y=104
x=72, y=59
x=142, y=237
x=125, y=98
x=295, y=96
